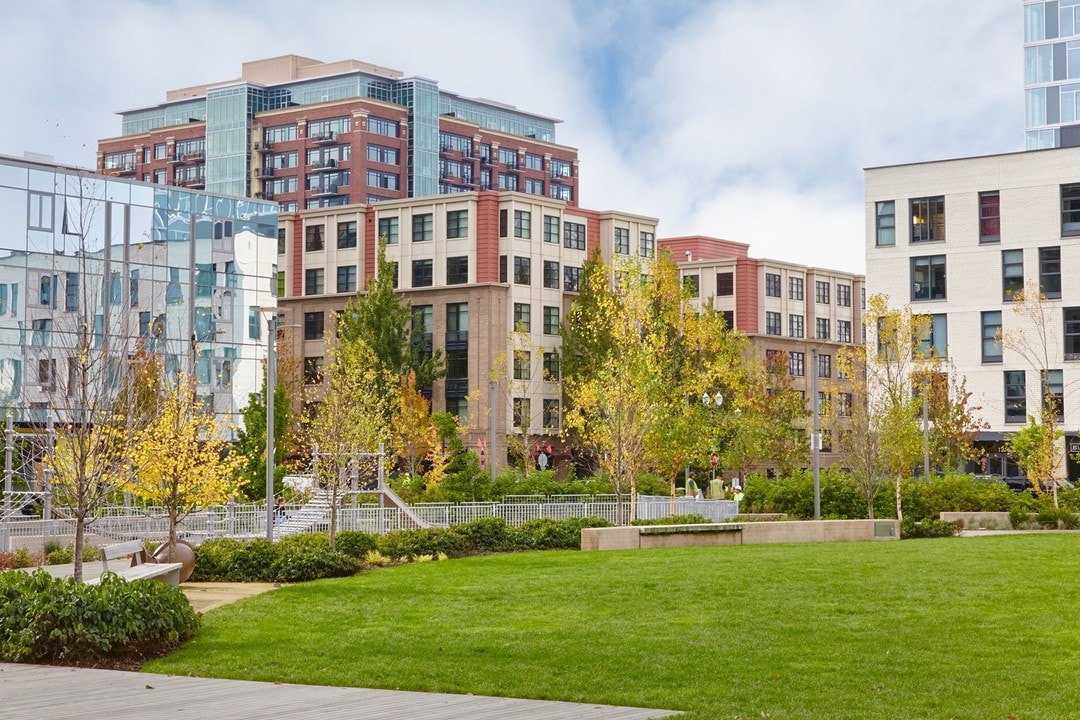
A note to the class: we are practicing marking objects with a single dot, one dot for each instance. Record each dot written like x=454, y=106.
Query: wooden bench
x=143, y=565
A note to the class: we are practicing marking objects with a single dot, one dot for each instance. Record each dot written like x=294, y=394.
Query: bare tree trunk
x=899, y=510
x=80, y=539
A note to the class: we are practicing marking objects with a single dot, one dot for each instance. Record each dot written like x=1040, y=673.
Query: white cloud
x=741, y=119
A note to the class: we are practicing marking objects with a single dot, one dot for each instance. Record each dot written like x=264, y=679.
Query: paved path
x=43, y=692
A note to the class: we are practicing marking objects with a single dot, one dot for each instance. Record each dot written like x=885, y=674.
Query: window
x=42, y=332
x=313, y=370
x=422, y=227
x=843, y=331
x=522, y=365
x=1015, y=396
x=522, y=270
x=508, y=156
x=574, y=235
x=347, y=234
x=522, y=414
x=1070, y=209
x=346, y=278
x=821, y=292
x=502, y=268
x=772, y=323
x=379, y=126
x=928, y=277
x=551, y=229
x=47, y=374
x=1012, y=273
x=508, y=181
x=421, y=273
x=457, y=320
x=459, y=408
x=313, y=326
x=457, y=143
x=560, y=168
x=795, y=326
x=795, y=288
x=843, y=295
x=457, y=223
x=692, y=285
x=772, y=285
x=313, y=281
x=571, y=278
x=1050, y=272
x=388, y=229
x=935, y=343
x=989, y=217
x=991, y=334
x=313, y=238
x=885, y=212
x=551, y=274
x=534, y=162
x=824, y=365
x=725, y=284
x=843, y=404
x=928, y=219
x=622, y=241
x=561, y=192
x=647, y=244
x=382, y=154
x=1053, y=393
x=551, y=414
x=71, y=291
x=522, y=224
x=821, y=328
x=375, y=179
x=551, y=320
x=522, y=317
x=504, y=227
x=534, y=187
x=796, y=362
x=551, y=366
x=729, y=318
x=457, y=270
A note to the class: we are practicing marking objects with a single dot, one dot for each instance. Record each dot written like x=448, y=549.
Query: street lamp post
x=271, y=385
x=815, y=438
x=717, y=400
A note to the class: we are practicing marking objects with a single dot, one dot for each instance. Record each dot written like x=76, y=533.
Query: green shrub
x=690, y=519
x=212, y=559
x=49, y=620
x=548, y=534
x=1019, y=518
x=912, y=528
x=484, y=535
x=426, y=541
x=303, y=543
x=355, y=543
x=305, y=564
x=254, y=561
x=1057, y=518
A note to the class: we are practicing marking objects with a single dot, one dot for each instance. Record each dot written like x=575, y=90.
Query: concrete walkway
x=36, y=692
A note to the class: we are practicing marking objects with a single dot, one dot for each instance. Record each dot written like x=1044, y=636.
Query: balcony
x=263, y=145
x=193, y=157
x=328, y=191
x=325, y=138
x=324, y=166
x=458, y=340
x=191, y=182
x=265, y=195
x=124, y=170
x=263, y=173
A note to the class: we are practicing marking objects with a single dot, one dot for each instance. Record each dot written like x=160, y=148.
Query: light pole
x=717, y=400
x=815, y=437
x=271, y=386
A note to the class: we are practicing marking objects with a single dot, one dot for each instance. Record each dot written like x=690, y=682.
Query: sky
x=749, y=120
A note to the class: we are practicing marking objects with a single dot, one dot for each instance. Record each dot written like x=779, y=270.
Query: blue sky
x=742, y=119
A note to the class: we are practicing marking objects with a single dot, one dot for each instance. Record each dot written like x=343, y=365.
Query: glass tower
x=1052, y=73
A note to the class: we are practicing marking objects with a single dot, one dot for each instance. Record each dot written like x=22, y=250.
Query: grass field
x=951, y=628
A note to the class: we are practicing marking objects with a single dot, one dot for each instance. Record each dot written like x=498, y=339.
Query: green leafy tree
x=251, y=441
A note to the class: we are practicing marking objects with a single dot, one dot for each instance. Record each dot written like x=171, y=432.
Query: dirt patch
x=205, y=596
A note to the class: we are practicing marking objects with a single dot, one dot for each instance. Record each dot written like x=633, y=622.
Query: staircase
x=314, y=515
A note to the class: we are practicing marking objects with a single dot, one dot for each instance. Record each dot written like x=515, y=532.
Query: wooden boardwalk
x=43, y=692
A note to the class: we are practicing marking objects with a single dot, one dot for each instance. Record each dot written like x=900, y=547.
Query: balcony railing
x=121, y=170
x=324, y=138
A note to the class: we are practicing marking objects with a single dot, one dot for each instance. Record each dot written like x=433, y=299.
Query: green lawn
x=951, y=628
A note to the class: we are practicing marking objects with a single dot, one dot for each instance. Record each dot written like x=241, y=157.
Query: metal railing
x=236, y=520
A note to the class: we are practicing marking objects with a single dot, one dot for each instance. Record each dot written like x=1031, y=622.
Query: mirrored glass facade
x=1052, y=73
x=176, y=272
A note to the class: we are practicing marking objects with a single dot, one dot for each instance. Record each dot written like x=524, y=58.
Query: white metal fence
x=249, y=520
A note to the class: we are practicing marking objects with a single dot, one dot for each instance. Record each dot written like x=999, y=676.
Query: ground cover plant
x=939, y=628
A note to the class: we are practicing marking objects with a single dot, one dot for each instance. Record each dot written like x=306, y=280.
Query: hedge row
x=307, y=557
x=49, y=620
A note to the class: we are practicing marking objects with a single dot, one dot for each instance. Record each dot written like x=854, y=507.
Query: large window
x=313, y=370
x=843, y=331
x=1070, y=209
x=797, y=364
x=522, y=270
x=574, y=235
x=571, y=278
x=379, y=126
x=989, y=217
x=522, y=413
x=346, y=234
x=821, y=292
x=1012, y=273
x=551, y=414
x=1071, y=316
x=551, y=274
x=928, y=277
x=346, y=278
x=843, y=295
x=772, y=323
x=313, y=238
x=821, y=328
x=795, y=326
x=725, y=284
x=935, y=341
x=622, y=241
x=772, y=285
x=1053, y=393
x=551, y=229
x=647, y=246
x=382, y=154
x=388, y=228
x=457, y=270
x=457, y=320
x=885, y=212
x=422, y=230
x=313, y=281
x=824, y=365
x=457, y=223
x=551, y=320
x=795, y=288
x=522, y=365
x=522, y=317
x=522, y=224
x=551, y=366
x=1015, y=396
x=313, y=326
x=421, y=273
x=692, y=285
x=928, y=219
x=1050, y=272
x=991, y=335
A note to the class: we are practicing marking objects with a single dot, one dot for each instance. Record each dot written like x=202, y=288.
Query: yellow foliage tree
x=418, y=438
x=182, y=458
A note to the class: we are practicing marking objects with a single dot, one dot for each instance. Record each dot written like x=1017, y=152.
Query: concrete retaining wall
x=971, y=519
x=754, y=533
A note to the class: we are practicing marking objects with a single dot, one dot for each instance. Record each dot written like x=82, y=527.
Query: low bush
x=912, y=528
x=20, y=558
x=49, y=620
x=321, y=563
x=212, y=560
x=407, y=544
x=689, y=519
x=1019, y=518
x=355, y=543
x=485, y=535
x=547, y=534
x=57, y=554
x=1057, y=519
